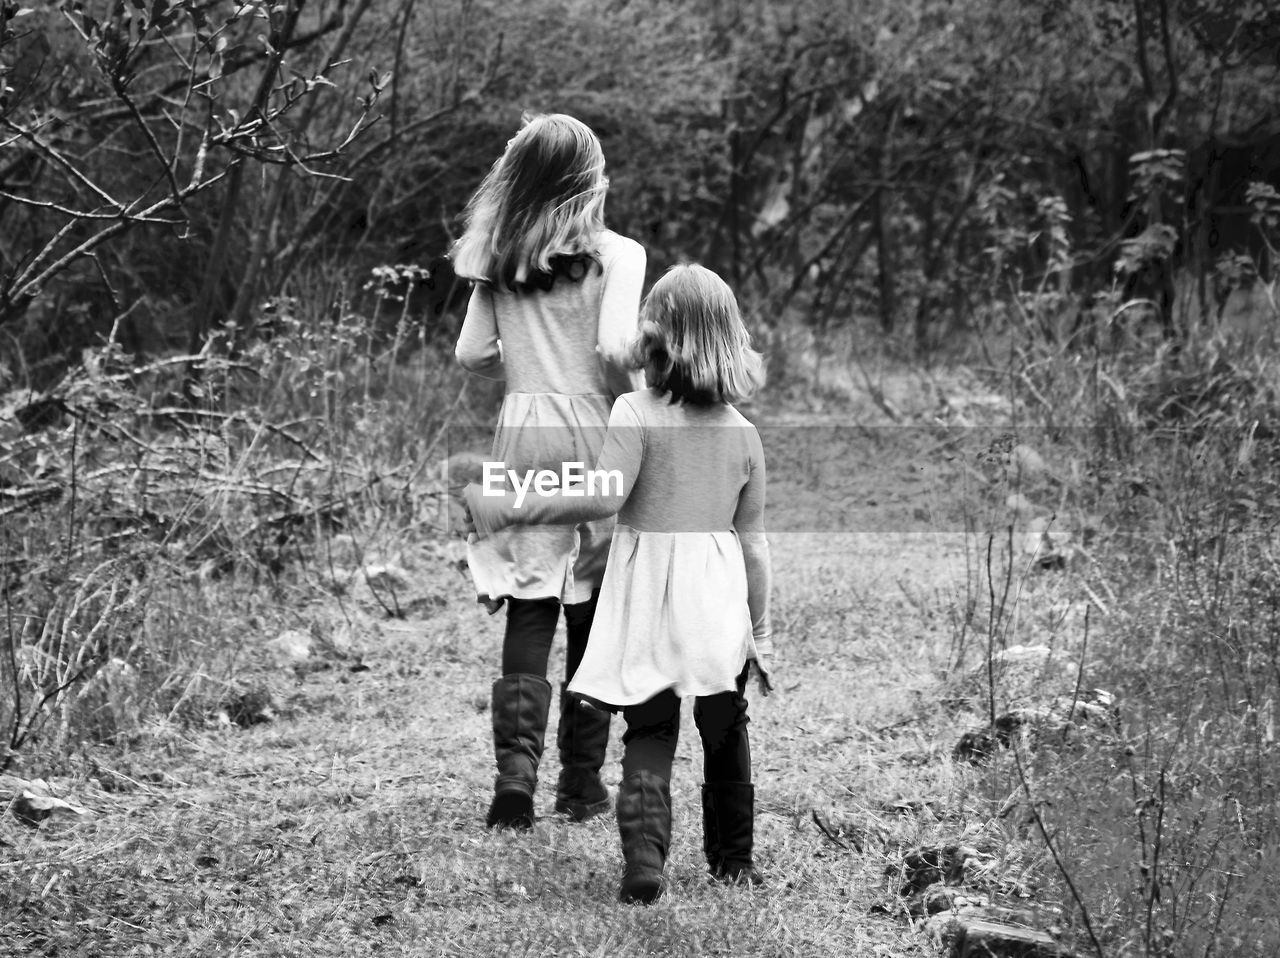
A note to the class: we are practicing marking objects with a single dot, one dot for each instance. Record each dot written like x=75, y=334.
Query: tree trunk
x=269, y=213
x=210, y=300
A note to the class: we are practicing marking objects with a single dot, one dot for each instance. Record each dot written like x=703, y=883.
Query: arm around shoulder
x=601, y=493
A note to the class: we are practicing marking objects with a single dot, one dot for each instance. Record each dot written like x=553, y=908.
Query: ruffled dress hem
x=616, y=707
x=672, y=614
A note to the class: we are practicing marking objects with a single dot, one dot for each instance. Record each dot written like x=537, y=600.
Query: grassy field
x=351, y=824
x=351, y=821
x=242, y=802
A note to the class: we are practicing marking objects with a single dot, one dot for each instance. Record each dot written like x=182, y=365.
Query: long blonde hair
x=539, y=210
x=692, y=343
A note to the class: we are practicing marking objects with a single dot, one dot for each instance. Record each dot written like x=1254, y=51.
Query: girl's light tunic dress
x=562, y=354
x=684, y=602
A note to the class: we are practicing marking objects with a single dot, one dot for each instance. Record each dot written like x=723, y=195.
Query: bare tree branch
x=25, y=287
x=166, y=164
x=47, y=150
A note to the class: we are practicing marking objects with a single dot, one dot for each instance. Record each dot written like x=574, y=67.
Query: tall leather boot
x=520, y=706
x=710, y=832
x=582, y=737
x=644, y=823
x=729, y=832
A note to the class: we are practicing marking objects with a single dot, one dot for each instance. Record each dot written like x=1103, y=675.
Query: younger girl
x=683, y=609
x=553, y=311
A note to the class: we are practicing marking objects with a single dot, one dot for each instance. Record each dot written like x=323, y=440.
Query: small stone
x=942, y=928
x=291, y=647
x=974, y=747
x=32, y=801
x=249, y=708
x=386, y=575
x=929, y=864
x=980, y=937
x=941, y=897
x=1025, y=724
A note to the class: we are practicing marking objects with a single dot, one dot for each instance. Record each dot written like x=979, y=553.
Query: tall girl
x=683, y=610
x=553, y=310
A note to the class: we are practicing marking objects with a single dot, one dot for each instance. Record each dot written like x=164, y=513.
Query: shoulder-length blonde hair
x=692, y=343
x=539, y=211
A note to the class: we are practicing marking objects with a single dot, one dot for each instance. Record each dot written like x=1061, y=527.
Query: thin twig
x=71, y=505
x=174, y=189
x=835, y=839
x=1217, y=919
x=26, y=285
x=227, y=418
x=991, y=628
x=29, y=725
x=1084, y=650
x=7, y=759
x=80, y=214
x=62, y=161
x=1157, y=843
x=1057, y=859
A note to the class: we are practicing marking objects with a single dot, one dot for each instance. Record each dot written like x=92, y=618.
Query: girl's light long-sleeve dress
x=685, y=598
x=562, y=353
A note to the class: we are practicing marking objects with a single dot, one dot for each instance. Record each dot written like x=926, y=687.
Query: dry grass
x=351, y=821
x=352, y=824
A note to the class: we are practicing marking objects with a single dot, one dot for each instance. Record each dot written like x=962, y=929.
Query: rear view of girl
x=553, y=311
x=683, y=610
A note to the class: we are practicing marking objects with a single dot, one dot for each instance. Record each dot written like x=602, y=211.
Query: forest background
x=226, y=321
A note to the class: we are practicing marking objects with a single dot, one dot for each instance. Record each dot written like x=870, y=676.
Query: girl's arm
x=479, y=350
x=619, y=315
x=597, y=498
x=748, y=522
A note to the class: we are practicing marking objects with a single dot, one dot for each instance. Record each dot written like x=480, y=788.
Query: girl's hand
x=468, y=521
x=483, y=514
x=764, y=673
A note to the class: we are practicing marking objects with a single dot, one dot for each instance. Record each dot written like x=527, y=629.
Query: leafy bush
x=150, y=510
x=1161, y=836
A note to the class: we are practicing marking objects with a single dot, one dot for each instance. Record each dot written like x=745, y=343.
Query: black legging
x=653, y=727
x=531, y=627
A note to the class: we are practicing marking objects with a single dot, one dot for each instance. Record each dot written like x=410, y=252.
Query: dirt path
x=350, y=824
